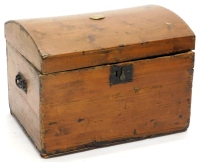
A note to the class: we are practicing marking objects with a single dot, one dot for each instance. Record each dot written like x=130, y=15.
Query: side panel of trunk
x=24, y=106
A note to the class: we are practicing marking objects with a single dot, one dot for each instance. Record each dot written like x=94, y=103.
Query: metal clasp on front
x=121, y=74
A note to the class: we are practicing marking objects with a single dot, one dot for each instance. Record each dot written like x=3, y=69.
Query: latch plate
x=121, y=74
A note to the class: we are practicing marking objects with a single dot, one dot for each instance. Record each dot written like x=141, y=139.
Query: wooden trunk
x=93, y=80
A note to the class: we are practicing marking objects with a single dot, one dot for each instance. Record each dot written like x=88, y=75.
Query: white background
x=15, y=146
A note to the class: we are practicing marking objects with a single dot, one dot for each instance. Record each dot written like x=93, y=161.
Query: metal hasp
x=21, y=82
x=121, y=74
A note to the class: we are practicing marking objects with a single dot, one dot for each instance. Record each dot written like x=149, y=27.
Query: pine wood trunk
x=93, y=83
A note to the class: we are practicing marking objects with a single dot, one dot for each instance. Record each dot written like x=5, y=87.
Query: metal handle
x=21, y=82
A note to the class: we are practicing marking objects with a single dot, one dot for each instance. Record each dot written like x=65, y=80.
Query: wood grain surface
x=71, y=42
x=80, y=109
x=25, y=107
x=70, y=104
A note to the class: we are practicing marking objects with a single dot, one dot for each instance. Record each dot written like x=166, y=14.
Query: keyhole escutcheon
x=121, y=74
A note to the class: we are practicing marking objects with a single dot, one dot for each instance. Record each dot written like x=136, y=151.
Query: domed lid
x=79, y=41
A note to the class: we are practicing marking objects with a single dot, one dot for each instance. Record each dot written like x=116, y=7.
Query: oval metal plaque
x=97, y=17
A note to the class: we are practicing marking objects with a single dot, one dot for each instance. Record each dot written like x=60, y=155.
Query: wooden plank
x=25, y=107
x=87, y=112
